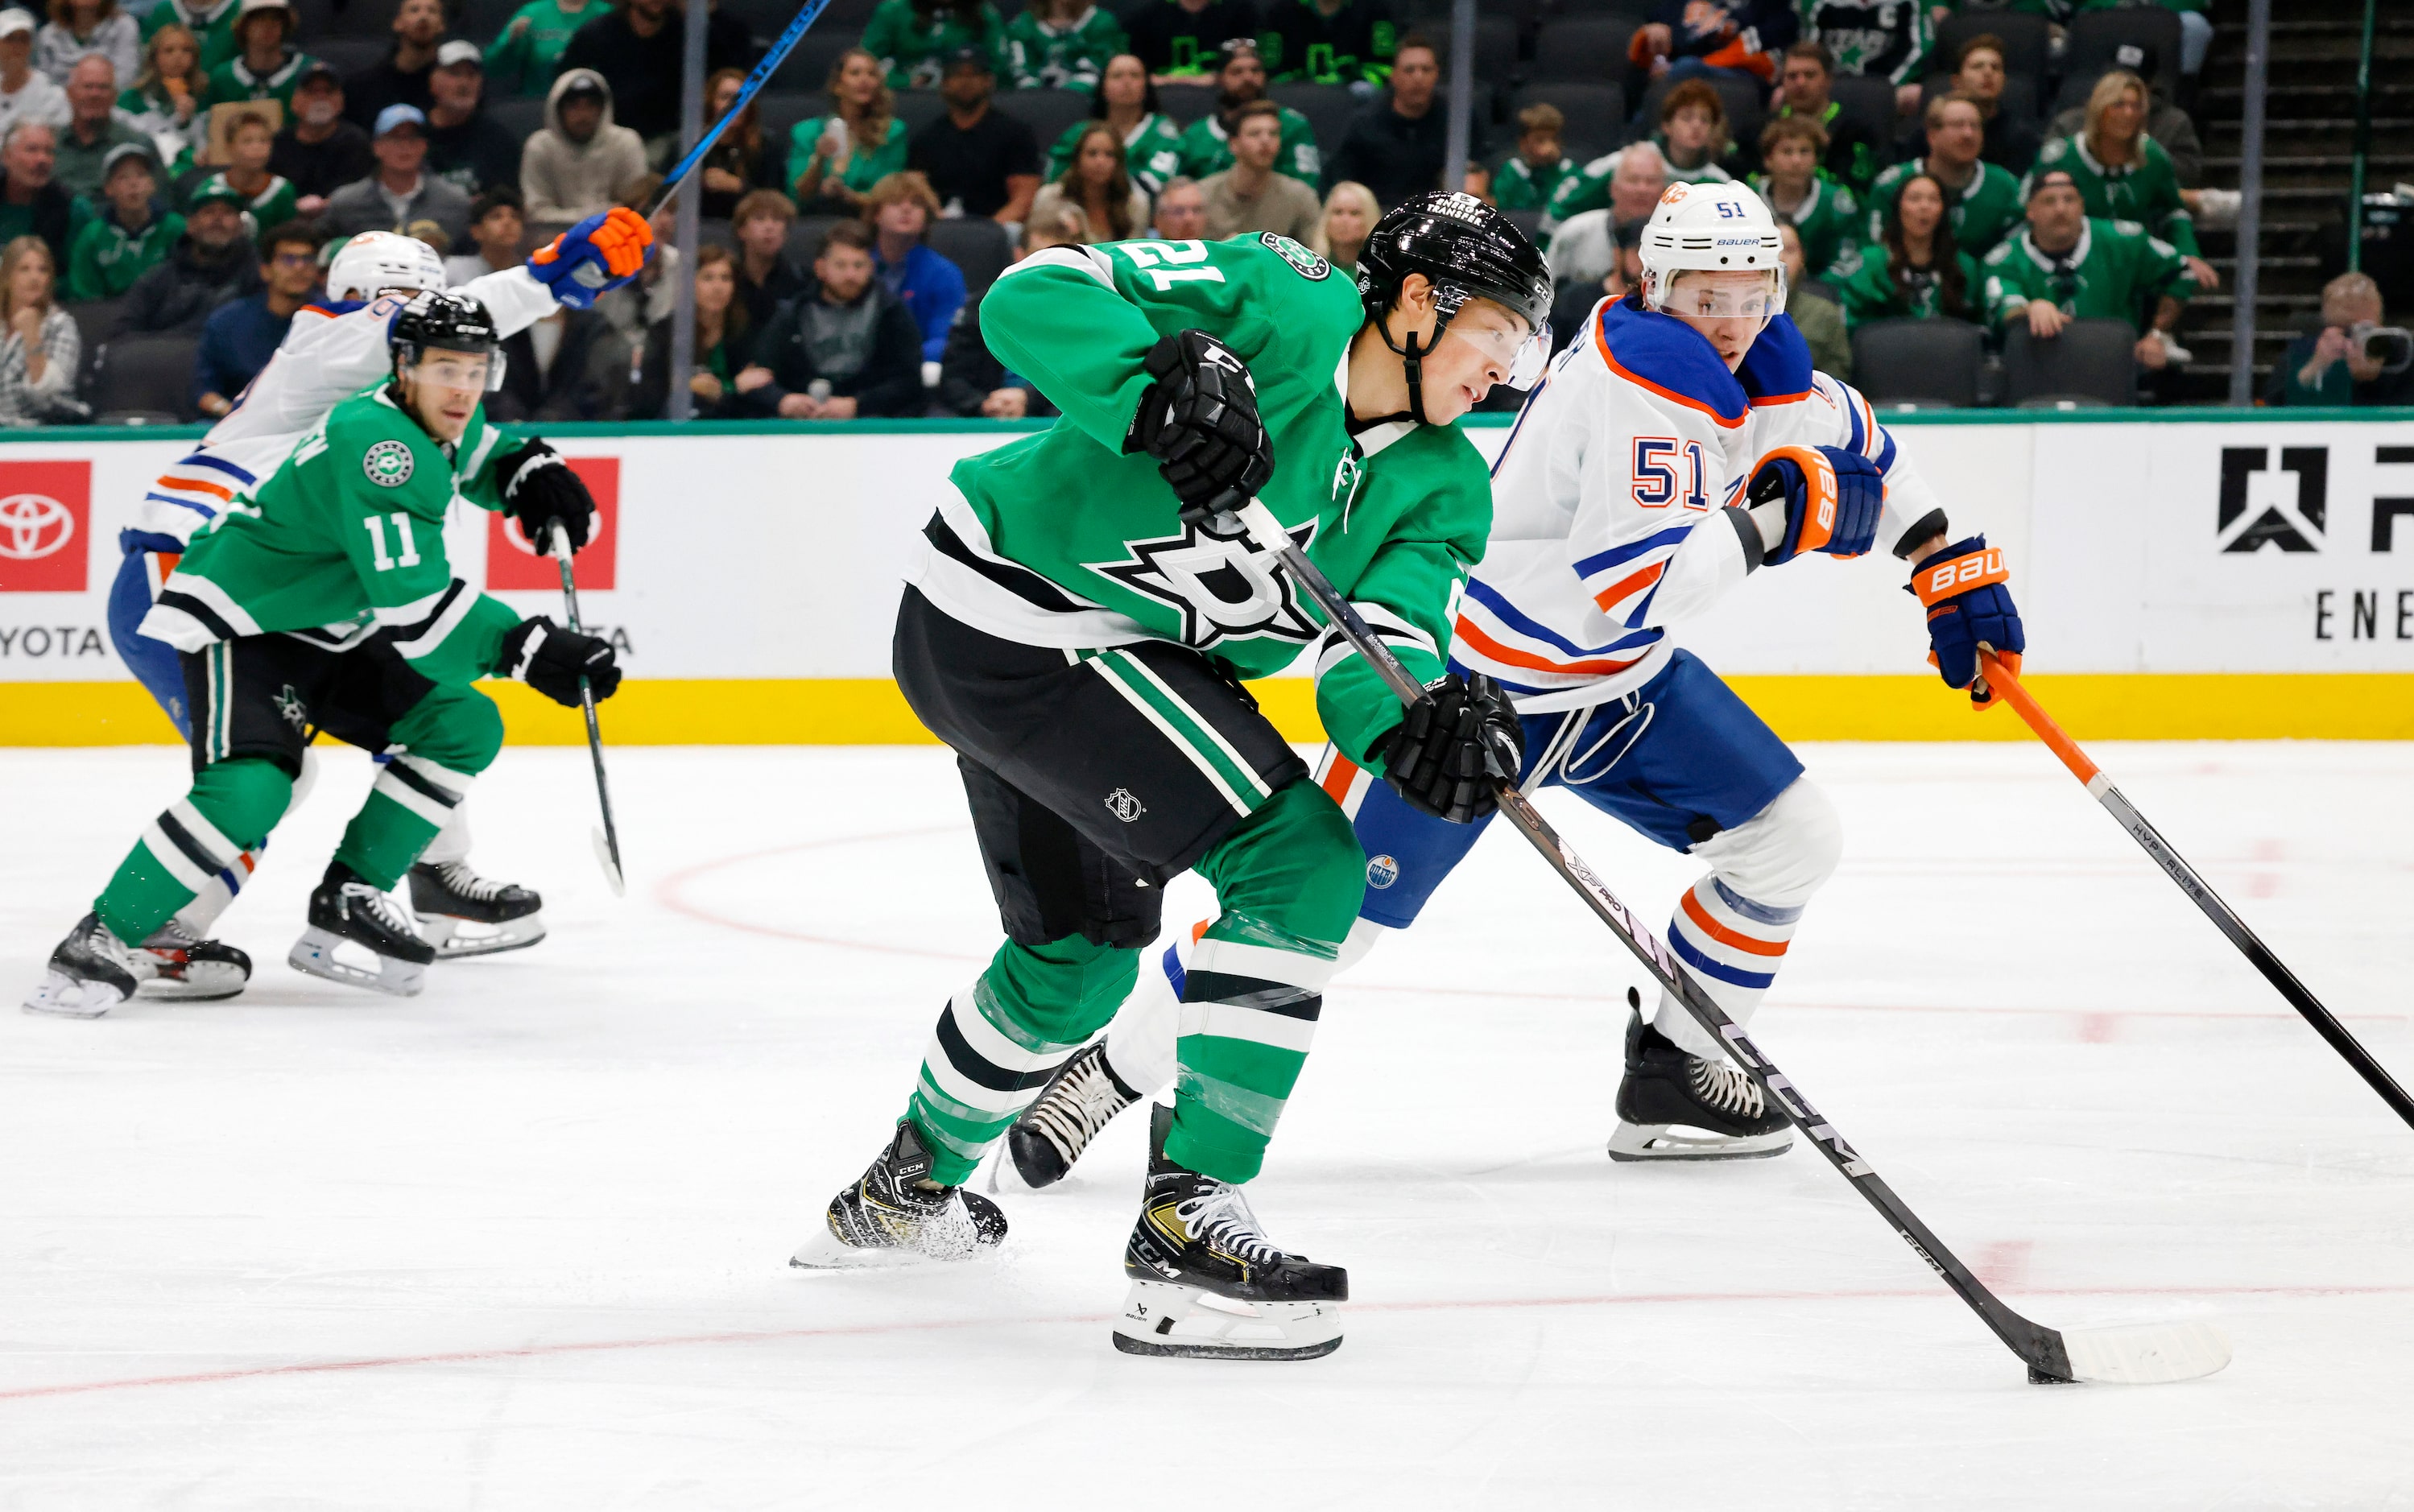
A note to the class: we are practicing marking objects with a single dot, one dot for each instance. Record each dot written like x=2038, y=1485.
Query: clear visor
x=479, y=372
x=1761, y=298
x=1507, y=343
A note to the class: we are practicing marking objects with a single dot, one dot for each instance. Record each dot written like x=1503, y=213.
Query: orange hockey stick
x=2002, y=679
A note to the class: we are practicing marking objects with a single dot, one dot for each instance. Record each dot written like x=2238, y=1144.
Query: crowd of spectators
x=187, y=168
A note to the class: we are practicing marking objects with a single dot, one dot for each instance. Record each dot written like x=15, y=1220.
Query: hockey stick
x=607, y=840
x=747, y=91
x=2223, y=917
x=2139, y=1355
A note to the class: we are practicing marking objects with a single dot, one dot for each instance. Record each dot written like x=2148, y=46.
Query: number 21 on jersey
x=1658, y=459
x=1165, y=262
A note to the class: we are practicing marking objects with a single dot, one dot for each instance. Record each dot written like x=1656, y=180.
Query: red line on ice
x=471, y=1357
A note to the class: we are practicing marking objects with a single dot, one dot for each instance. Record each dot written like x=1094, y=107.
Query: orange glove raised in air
x=599, y=253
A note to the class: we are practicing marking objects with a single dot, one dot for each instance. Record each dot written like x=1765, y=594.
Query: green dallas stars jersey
x=1828, y=220
x=1987, y=209
x=1518, y=185
x=2117, y=272
x=1152, y=154
x=2147, y=192
x=345, y=538
x=1040, y=56
x=1206, y=150
x=1066, y=539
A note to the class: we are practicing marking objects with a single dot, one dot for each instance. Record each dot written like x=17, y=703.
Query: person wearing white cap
x=466, y=147
x=265, y=67
x=400, y=192
x=25, y=94
x=81, y=28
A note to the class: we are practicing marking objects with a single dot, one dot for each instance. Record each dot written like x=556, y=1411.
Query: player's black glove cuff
x=551, y=659
x=540, y=493
x=1200, y=421
x=1455, y=744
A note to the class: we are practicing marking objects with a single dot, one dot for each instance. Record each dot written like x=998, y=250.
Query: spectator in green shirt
x=1527, y=179
x=131, y=233
x=2124, y=174
x=835, y=160
x=2338, y=365
x=265, y=67
x=1982, y=201
x=1912, y=271
x=92, y=127
x=1207, y=146
x=1060, y=44
x=1125, y=99
x=1800, y=194
x=914, y=38
x=268, y=197
x=213, y=26
x=166, y=101
x=521, y=61
x=2066, y=267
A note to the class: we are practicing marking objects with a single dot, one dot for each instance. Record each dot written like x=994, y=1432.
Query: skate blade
x=60, y=996
x=1005, y=1178
x=204, y=982
x=315, y=952
x=1677, y=1142
x=1173, y=1322
x=460, y=939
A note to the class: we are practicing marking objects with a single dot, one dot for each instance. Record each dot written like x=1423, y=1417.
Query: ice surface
x=520, y=1242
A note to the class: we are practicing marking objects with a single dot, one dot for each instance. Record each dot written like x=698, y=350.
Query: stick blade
x=2146, y=1354
x=611, y=865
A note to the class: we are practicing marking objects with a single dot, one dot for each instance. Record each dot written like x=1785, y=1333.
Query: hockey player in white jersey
x=1680, y=444
x=334, y=349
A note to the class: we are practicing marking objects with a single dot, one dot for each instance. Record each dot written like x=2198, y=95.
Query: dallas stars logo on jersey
x=1224, y=588
x=1306, y=263
x=387, y=464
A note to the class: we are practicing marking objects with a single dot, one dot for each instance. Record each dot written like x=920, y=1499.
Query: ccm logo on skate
x=45, y=523
x=514, y=564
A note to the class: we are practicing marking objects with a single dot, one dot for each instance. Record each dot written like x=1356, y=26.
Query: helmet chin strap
x=1412, y=357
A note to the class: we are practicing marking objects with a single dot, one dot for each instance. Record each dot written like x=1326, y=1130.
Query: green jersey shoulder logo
x=387, y=464
x=1305, y=264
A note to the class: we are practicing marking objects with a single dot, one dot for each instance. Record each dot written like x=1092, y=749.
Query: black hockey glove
x=541, y=492
x=551, y=659
x=1460, y=739
x=1200, y=421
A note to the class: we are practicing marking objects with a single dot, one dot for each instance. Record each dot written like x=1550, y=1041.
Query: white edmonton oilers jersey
x=333, y=351
x=1637, y=434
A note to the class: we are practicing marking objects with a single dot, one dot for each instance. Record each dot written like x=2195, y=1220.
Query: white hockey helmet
x=375, y=261
x=1714, y=227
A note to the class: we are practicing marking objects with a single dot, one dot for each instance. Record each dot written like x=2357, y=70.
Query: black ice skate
x=348, y=910
x=1675, y=1106
x=91, y=972
x=462, y=913
x=1206, y=1282
x=1054, y=1130
x=889, y=1219
x=185, y=967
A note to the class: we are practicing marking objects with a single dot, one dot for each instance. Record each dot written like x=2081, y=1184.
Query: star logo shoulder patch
x=1303, y=261
x=1224, y=589
x=387, y=464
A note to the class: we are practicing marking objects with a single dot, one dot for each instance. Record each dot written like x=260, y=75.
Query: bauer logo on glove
x=1832, y=497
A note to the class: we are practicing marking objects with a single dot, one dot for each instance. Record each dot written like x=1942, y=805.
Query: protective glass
x=1703, y=299
x=479, y=371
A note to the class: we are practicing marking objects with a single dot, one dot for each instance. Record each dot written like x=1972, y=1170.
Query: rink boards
x=2205, y=576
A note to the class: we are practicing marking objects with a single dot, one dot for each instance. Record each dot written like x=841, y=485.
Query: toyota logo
x=34, y=525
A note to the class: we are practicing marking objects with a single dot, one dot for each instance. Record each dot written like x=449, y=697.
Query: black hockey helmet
x=1469, y=250
x=447, y=321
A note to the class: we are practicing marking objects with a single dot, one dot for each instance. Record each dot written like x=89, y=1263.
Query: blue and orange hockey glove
x=1962, y=588
x=1832, y=497
x=599, y=253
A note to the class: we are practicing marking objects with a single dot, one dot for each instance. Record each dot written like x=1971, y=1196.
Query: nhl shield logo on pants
x=1125, y=807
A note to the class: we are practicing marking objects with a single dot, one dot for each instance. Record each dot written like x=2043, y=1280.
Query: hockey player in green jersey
x=2065, y=266
x=1076, y=625
x=322, y=600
